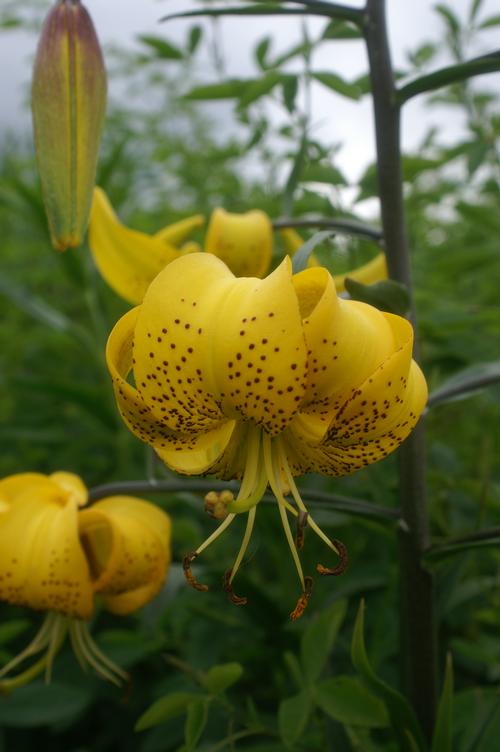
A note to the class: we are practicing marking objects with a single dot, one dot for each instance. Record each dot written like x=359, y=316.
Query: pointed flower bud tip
x=68, y=105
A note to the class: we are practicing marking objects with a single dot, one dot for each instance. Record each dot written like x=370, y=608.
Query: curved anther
x=341, y=566
x=301, y=526
x=186, y=565
x=303, y=600
x=228, y=588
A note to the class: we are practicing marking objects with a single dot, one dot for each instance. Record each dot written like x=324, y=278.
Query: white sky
x=410, y=23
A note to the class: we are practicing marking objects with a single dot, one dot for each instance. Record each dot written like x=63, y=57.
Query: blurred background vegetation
x=275, y=685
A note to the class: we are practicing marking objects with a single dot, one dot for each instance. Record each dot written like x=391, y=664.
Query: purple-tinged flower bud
x=68, y=103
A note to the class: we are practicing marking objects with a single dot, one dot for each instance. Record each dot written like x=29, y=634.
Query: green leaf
x=347, y=700
x=219, y=678
x=466, y=382
x=290, y=88
x=41, y=704
x=164, y=708
x=442, y=739
x=163, y=49
x=474, y=10
x=300, y=259
x=195, y=34
x=293, y=715
x=489, y=22
x=336, y=83
x=449, y=75
x=386, y=295
x=261, y=52
x=341, y=30
x=319, y=637
x=195, y=723
x=260, y=87
x=317, y=173
x=449, y=17
x=230, y=89
x=401, y=714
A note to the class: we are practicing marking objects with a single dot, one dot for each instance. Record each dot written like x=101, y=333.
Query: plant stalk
x=417, y=620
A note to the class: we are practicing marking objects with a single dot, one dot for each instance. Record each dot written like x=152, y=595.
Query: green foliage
x=208, y=676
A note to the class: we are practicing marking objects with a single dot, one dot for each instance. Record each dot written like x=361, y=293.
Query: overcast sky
x=410, y=22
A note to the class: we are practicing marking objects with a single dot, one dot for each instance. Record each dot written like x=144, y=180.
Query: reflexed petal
x=347, y=340
x=133, y=409
x=72, y=485
x=127, y=543
x=367, y=274
x=42, y=564
x=209, y=345
x=177, y=232
x=372, y=423
x=243, y=241
x=128, y=260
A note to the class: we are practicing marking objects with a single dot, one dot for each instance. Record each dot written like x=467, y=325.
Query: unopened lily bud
x=68, y=103
x=216, y=503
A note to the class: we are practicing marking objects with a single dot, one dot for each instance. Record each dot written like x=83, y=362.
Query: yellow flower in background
x=56, y=556
x=129, y=260
x=263, y=380
x=243, y=241
x=373, y=271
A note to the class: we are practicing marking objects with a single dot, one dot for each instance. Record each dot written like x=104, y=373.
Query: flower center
x=266, y=464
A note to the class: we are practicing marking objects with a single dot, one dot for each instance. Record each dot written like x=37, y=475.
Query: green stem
x=344, y=226
x=417, y=623
x=315, y=499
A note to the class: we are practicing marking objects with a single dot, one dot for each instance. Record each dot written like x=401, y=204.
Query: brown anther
x=303, y=600
x=341, y=566
x=216, y=503
x=301, y=526
x=228, y=588
x=186, y=565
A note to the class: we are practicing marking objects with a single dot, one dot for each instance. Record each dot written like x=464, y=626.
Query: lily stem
x=417, y=619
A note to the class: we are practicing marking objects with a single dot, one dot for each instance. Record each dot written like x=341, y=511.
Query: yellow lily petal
x=374, y=420
x=127, y=259
x=367, y=274
x=135, y=412
x=127, y=542
x=243, y=241
x=177, y=232
x=346, y=339
x=42, y=563
x=218, y=346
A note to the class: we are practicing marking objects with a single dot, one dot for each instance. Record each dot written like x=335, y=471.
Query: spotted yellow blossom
x=57, y=555
x=263, y=380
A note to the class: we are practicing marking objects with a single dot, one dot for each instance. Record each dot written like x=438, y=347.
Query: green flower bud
x=68, y=104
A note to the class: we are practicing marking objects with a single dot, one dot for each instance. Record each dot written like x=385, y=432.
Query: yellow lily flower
x=56, y=557
x=263, y=380
x=129, y=260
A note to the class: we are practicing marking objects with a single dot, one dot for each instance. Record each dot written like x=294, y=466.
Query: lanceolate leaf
x=442, y=739
x=164, y=708
x=162, y=47
x=319, y=638
x=466, y=382
x=230, y=89
x=336, y=83
x=293, y=715
x=401, y=714
x=450, y=75
x=301, y=258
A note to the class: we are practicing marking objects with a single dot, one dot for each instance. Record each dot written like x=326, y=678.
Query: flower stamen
x=188, y=574
x=303, y=600
x=301, y=526
x=334, y=544
x=228, y=588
